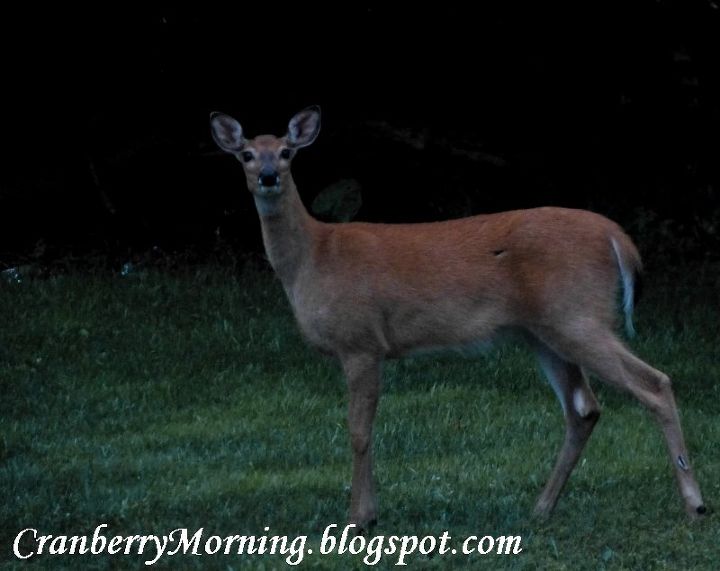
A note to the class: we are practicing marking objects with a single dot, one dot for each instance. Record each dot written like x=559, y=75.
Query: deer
x=367, y=292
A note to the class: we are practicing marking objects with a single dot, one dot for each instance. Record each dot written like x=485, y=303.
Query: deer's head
x=266, y=159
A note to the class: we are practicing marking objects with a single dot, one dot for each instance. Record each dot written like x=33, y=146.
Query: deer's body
x=366, y=292
x=397, y=288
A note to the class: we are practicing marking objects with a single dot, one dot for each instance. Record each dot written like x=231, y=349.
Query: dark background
x=437, y=112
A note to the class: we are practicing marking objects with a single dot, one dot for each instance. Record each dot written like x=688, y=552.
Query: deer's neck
x=288, y=232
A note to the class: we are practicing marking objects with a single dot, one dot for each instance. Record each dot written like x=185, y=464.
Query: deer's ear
x=227, y=132
x=304, y=127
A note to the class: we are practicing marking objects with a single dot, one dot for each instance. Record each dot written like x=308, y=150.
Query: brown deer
x=367, y=292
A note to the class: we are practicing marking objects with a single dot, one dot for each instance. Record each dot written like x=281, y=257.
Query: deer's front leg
x=363, y=378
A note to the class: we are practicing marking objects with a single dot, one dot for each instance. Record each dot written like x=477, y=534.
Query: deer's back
x=405, y=286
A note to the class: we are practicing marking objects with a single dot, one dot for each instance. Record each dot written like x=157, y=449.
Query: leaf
x=607, y=554
x=339, y=201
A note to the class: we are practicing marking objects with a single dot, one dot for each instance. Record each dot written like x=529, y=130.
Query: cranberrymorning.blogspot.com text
x=336, y=541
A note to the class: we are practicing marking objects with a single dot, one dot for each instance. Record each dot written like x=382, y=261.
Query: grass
x=188, y=399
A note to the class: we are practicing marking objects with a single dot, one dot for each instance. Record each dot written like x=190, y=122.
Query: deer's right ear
x=227, y=132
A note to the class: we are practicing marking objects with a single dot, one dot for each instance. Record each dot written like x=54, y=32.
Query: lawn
x=169, y=399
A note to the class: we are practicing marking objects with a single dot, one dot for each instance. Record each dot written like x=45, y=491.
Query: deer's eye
x=285, y=154
x=247, y=156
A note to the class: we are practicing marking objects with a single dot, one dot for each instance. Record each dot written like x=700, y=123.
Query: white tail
x=627, y=277
x=367, y=292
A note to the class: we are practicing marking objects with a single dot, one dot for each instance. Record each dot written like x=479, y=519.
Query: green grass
x=188, y=399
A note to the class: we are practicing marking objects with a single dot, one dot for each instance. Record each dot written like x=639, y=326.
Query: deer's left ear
x=304, y=127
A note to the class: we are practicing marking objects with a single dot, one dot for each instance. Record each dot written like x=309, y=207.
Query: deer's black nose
x=268, y=179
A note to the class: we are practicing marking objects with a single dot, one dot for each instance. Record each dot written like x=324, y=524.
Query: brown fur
x=367, y=292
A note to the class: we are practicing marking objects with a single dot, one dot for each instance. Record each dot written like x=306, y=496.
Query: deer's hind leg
x=600, y=352
x=581, y=411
